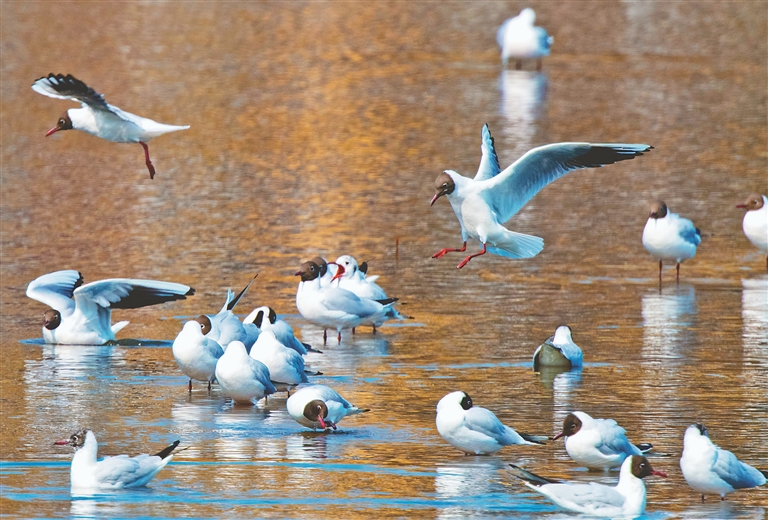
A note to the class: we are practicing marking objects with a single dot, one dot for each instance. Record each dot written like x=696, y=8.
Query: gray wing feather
x=736, y=473
x=56, y=289
x=125, y=293
x=347, y=301
x=509, y=191
x=126, y=470
x=68, y=87
x=484, y=421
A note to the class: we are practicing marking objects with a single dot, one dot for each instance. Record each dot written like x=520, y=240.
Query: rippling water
x=319, y=127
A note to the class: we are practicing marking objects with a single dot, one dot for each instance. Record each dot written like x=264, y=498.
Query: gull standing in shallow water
x=494, y=196
x=755, y=223
x=196, y=354
x=597, y=443
x=319, y=406
x=241, y=377
x=710, y=469
x=475, y=430
x=117, y=472
x=521, y=40
x=82, y=314
x=625, y=499
x=99, y=118
x=668, y=236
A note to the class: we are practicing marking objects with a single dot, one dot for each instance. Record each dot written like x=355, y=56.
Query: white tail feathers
x=515, y=245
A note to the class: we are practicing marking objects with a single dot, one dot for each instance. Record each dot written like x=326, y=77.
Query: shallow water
x=319, y=128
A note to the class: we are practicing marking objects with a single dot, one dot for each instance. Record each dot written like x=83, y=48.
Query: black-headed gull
x=710, y=469
x=196, y=354
x=118, y=472
x=520, y=40
x=99, y=118
x=241, y=377
x=82, y=314
x=625, y=499
x=558, y=351
x=286, y=366
x=668, y=236
x=494, y=196
x=755, y=223
x=319, y=406
x=597, y=443
x=265, y=318
x=224, y=327
x=333, y=307
x=475, y=430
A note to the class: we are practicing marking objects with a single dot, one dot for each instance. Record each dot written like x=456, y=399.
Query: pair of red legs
x=325, y=337
x=677, y=268
x=149, y=163
x=464, y=262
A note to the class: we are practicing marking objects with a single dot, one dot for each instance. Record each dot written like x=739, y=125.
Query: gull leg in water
x=149, y=163
x=447, y=250
x=678, y=272
x=470, y=257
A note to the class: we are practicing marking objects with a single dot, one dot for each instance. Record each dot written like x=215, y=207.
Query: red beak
x=434, y=199
x=52, y=131
x=561, y=434
x=62, y=442
x=321, y=421
x=742, y=206
x=297, y=273
x=339, y=273
x=658, y=473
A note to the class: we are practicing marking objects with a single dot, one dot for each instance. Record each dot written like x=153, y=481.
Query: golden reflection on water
x=319, y=127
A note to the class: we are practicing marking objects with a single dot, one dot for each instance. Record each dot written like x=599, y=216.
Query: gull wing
x=55, y=290
x=489, y=163
x=736, y=473
x=68, y=87
x=510, y=190
x=126, y=293
x=349, y=302
x=484, y=421
x=614, y=438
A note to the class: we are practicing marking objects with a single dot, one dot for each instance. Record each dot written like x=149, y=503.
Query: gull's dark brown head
x=444, y=185
x=658, y=210
x=321, y=263
x=205, y=323
x=571, y=426
x=753, y=202
x=309, y=271
x=51, y=319
x=64, y=123
x=76, y=440
x=316, y=411
x=642, y=468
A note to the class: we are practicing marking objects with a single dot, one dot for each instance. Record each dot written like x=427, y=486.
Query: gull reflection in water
x=460, y=480
x=667, y=322
x=754, y=315
x=523, y=94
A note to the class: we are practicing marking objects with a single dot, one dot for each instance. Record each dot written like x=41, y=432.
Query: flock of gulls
x=255, y=358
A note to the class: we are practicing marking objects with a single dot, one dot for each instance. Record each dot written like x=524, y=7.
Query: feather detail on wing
x=515, y=186
x=736, y=473
x=125, y=293
x=68, y=87
x=489, y=163
x=56, y=289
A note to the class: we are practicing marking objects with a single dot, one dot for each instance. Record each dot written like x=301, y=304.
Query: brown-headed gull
x=494, y=196
x=122, y=471
x=319, y=406
x=668, y=236
x=597, y=443
x=755, y=223
x=520, y=40
x=473, y=429
x=625, y=499
x=196, y=354
x=224, y=327
x=99, y=118
x=710, y=469
x=82, y=314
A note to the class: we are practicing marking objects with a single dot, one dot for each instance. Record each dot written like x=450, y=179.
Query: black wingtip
x=190, y=292
x=387, y=301
x=531, y=478
x=79, y=281
x=167, y=451
x=240, y=295
x=644, y=447
x=765, y=473
x=536, y=439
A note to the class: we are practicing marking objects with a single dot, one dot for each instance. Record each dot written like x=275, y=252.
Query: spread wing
x=489, y=163
x=510, y=190
x=67, y=87
x=126, y=293
x=736, y=473
x=55, y=290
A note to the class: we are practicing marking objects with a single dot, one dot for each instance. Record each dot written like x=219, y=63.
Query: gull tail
x=355, y=410
x=644, y=447
x=531, y=479
x=534, y=439
x=120, y=325
x=167, y=451
x=515, y=245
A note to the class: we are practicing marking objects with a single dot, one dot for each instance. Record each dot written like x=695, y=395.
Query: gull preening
x=597, y=443
x=319, y=406
x=755, y=223
x=99, y=118
x=224, y=327
x=122, y=471
x=265, y=319
x=708, y=468
x=668, y=236
x=82, y=314
x=241, y=377
x=625, y=499
x=558, y=351
x=473, y=429
x=520, y=39
x=494, y=196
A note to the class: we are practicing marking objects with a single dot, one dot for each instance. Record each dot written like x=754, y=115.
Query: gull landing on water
x=494, y=196
x=99, y=118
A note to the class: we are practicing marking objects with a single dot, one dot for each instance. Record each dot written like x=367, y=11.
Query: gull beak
x=322, y=422
x=62, y=442
x=561, y=434
x=741, y=206
x=658, y=473
x=434, y=199
x=52, y=131
x=297, y=273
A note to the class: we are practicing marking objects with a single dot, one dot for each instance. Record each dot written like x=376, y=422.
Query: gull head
x=64, y=123
x=205, y=323
x=658, y=210
x=309, y=271
x=753, y=202
x=571, y=426
x=51, y=319
x=316, y=411
x=642, y=468
x=444, y=185
x=76, y=440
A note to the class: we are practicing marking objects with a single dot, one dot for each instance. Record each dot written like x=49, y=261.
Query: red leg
x=659, y=271
x=470, y=257
x=190, y=386
x=149, y=163
x=447, y=250
x=353, y=331
x=678, y=272
x=339, y=337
